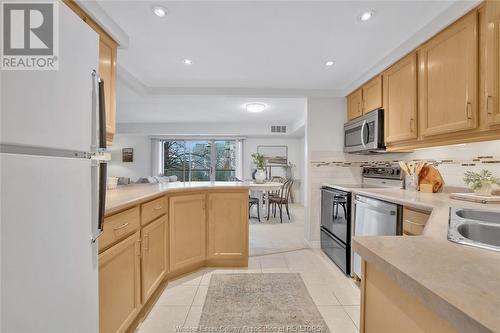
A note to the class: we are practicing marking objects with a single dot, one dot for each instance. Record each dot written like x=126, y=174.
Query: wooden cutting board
x=476, y=197
x=431, y=175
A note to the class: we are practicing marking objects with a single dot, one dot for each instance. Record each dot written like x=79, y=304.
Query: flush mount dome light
x=160, y=11
x=187, y=62
x=329, y=63
x=255, y=107
x=366, y=15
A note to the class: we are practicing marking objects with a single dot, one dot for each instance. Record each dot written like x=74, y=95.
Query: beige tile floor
x=336, y=296
x=271, y=236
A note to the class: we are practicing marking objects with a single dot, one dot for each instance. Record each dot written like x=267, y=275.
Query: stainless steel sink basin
x=474, y=227
x=479, y=215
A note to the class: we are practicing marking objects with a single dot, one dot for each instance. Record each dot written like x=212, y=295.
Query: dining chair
x=251, y=202
x=280, y=200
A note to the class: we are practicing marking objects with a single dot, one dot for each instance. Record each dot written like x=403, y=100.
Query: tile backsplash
x=452, y=162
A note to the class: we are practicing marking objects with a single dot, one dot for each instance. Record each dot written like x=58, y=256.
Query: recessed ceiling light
x=188, y=62
x=366, y=16
x=160, y=11
x=329, y=63
x=255, y=107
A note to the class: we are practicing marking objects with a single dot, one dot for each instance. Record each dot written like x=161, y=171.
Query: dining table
x=263, y=189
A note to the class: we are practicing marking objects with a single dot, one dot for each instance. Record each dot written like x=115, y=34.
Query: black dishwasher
x=336, y=226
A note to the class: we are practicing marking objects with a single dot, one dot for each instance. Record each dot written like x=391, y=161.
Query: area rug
x=254, y=303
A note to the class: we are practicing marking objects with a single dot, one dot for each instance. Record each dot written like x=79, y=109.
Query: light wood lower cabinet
x=400, y=100
x=385, y=307
x=414, y=221
x=154, y=256
x=156, y=242
x=227, y=230
x=448, y=69
x=119, y=285
x=187, y=230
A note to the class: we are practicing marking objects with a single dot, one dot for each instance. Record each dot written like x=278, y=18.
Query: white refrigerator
x=52, y=188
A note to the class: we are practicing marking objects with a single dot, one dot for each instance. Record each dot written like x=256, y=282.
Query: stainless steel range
x=337, y=213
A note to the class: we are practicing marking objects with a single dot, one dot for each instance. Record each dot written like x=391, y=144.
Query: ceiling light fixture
x=366, y=16
x=188, y=62
x=255, y=107
x=329, y=63
x=160, y=11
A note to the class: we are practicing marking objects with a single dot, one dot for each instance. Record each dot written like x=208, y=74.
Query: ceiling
x=134, y=108
x=263, y=44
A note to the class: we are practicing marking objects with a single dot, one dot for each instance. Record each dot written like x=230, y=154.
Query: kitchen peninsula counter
x=129, y=195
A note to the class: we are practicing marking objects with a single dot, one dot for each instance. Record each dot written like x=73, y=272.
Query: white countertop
x=458, y=282
x=128, y=195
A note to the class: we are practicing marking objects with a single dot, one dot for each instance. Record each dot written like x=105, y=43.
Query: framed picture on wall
x=274, y=155
x=128, y=154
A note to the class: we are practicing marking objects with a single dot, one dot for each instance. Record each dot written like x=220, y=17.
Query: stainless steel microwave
x=365, y=135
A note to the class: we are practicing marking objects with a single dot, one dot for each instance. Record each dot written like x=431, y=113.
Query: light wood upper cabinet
x=355, y=105
x=400, y=100
x=372, y=94
x=119, y=285
x=228, y=225
x=187, y=230
x=492, y=63
x=107, y=72
x=107, y=68
x=154, y=256
x=448, y=68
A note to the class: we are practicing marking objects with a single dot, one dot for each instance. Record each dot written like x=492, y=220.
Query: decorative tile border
x=479, y=160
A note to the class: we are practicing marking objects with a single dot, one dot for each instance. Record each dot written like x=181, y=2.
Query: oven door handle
x=363, y=133
x=377, y=209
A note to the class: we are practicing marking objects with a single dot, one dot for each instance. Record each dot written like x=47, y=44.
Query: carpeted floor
x=269, y=302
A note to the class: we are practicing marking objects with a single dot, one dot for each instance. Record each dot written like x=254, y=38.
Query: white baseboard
x=313, y=244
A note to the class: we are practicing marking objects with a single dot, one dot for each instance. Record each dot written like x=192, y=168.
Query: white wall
x=295, y=156
x=205, y=129
x=325, y=137
x=140, y=167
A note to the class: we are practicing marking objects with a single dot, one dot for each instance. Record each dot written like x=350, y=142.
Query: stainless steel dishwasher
x=375, y=217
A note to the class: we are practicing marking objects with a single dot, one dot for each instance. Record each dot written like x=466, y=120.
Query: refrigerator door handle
x=99, y=179
x=102, y=115
x=103, y=170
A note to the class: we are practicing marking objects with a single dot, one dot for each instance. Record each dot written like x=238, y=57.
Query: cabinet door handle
x=158, y=207
x=124, y=225
x=490, y=112
x=138, y=247
x=468, y=110
x=415, y=223
x=412, y=124
x=146, y=243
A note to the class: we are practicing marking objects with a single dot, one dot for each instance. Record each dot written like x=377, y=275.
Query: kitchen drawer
x=119, y=226
x=414, y=221
x=337, y=251
x=153, y=209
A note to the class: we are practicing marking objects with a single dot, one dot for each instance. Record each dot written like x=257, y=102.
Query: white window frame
x=157, y=153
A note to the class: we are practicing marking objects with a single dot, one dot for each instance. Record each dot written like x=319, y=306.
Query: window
x=201, y=160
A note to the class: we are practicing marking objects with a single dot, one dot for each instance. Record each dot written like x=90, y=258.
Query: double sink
x=474, y=227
